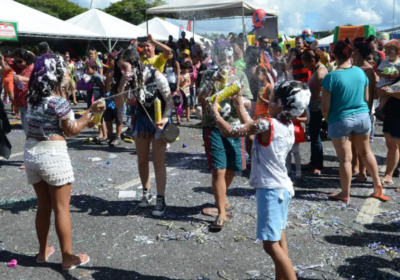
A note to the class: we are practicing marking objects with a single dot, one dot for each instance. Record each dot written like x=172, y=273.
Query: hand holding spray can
x=226, y=93
x=97, y=116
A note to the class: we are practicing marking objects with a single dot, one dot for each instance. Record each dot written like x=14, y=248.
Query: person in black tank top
x=147, y=84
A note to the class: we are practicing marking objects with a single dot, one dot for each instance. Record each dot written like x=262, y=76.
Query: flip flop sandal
x=381, y=197
x=398, y=190
x=215, y=227
x=78, y=264
x=52, y=250
x=361, y=182
x=386, y=183
x=345, y=200
x=213, y=212
x=230, y=207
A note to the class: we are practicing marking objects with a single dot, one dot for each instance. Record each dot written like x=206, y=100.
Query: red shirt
x=300, y=73
x=20, y=94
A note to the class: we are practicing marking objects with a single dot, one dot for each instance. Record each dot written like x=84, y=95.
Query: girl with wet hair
x=148, y=84
x=274, y=139
x=48, y=166
x=345, y=96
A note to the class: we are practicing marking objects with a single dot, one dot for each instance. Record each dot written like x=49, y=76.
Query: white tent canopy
x=164, y=27
x=209, y=9
x=205, y=9
x=33, y=23
x=109, y=26
x=325, y=42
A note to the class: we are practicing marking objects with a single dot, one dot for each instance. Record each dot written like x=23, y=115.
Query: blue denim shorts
x=272, y=213
x=359, y=124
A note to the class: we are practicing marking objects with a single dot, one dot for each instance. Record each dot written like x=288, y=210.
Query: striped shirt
x=44, y=120
x=300, y=73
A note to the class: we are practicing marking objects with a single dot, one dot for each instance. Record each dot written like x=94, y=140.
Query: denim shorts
x=359, y=124
x=272, y=213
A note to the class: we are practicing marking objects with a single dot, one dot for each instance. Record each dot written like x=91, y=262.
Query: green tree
x=62, y=9
x=133, y=11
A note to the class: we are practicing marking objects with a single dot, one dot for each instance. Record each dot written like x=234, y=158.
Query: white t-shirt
x=269, y=160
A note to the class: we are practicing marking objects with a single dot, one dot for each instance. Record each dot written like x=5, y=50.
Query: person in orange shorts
x=8, y=79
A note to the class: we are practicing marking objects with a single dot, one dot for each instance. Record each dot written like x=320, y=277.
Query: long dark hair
x=46, y=77
x=25, y=55
x=131, y=56
x=364, y=46
x=252, y=55
x=173, y=60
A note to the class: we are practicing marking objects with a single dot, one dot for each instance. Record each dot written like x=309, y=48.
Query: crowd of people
x=278, y=100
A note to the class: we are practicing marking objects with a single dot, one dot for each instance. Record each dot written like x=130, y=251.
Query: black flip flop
x=215, y=227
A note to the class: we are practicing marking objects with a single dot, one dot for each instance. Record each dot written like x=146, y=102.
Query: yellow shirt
x=324, y=59
x=157, y=61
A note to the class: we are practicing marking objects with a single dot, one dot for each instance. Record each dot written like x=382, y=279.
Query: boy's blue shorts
x=272, y=213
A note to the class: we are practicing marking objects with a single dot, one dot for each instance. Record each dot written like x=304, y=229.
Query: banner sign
x=394, y=36
x=8, y=31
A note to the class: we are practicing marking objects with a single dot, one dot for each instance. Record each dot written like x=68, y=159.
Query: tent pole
x=109, y=46
x=147, y=24
x=194, y=21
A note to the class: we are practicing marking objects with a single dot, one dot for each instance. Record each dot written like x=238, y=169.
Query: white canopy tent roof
x=110, y=27
x=325, y=42
x=209, y=9
x=33, y=23
x=162, y=26
x=205, y=9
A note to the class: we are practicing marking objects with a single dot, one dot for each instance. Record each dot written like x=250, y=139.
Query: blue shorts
x=359, y=124
x=131, y=110
x=272, y=213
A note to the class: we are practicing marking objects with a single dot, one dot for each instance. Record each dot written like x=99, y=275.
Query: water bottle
x=20, y=84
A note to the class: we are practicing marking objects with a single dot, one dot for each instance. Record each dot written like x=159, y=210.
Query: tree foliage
x=133, y=11
x=62, y=9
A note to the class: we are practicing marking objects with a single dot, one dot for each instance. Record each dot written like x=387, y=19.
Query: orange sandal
x=380, y=196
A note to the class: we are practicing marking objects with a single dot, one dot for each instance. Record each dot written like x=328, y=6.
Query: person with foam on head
x=48, y=166
x=225, y=156
x=148, y=85
x=274, y=189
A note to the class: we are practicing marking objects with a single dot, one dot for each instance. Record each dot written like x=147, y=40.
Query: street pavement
x=327, y=240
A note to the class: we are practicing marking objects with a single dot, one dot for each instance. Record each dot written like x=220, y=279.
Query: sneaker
x=115, y=142
x=127, y=133
x=161, y=206
x=146, y=200
x=298, y=175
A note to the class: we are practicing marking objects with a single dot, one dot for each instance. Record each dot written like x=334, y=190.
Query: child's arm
x=261, y=126
x=303, y=118
x=269, y=93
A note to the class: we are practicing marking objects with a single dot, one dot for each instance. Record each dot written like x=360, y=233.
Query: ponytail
x=343, y=49
x=364, y=46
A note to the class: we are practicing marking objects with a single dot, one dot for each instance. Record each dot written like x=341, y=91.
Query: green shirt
x=240, y=65
x=232, y=117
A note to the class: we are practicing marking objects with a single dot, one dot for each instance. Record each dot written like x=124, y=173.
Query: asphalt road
x=327, y=240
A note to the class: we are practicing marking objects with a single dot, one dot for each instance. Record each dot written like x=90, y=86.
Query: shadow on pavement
x=96, y=272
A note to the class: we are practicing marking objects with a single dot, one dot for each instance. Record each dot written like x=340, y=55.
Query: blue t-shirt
x=348, y=93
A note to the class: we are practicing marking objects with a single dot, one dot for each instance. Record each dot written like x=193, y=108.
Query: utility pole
x=394, y=8
x=91, y=2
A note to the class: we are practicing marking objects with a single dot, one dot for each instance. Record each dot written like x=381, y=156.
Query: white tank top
x=171, y=77
x=269, y=160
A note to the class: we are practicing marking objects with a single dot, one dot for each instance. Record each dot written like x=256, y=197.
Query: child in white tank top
x=275, y=139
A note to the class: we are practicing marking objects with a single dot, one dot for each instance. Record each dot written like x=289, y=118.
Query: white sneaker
x=298, y=175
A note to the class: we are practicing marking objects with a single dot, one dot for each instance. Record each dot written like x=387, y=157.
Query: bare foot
x=361, y=178
x=339, y=196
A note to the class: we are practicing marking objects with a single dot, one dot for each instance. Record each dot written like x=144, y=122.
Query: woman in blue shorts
x=345, y=94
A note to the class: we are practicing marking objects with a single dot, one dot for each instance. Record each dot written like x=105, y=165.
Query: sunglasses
x=18, y=61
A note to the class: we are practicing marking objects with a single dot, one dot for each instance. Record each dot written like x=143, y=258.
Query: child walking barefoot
x=274, y=139
x=299, y=137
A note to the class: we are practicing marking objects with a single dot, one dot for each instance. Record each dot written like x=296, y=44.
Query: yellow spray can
x=226, y=93
x=157, y=110
x=97, y=116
